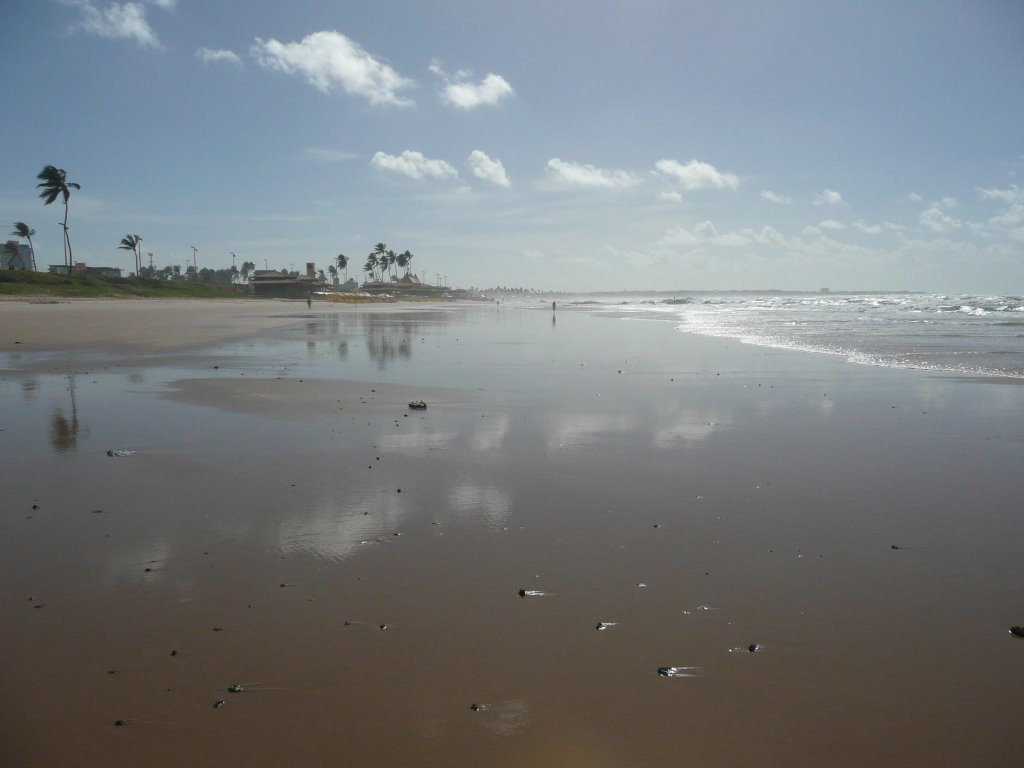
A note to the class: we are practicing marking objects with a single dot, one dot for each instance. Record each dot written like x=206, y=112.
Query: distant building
x=15, y=255
x=407, y=285
x=81, y=269
x=281, y=285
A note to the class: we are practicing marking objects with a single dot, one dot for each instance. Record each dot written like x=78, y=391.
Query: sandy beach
x=728, y=555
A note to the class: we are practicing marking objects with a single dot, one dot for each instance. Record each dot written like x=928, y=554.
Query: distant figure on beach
x=309, y=302
x=552, y=306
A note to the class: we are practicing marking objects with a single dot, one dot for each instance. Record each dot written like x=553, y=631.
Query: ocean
x=967, y=334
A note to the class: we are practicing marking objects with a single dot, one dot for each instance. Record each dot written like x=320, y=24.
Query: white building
x=15, y=255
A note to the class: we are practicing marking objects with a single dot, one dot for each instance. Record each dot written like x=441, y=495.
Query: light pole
x=195, y=264
x=266, y=264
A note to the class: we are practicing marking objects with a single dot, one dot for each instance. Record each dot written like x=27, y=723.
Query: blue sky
x=554, y=145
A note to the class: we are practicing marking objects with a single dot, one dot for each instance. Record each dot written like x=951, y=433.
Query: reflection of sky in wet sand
x=679, y=425
x=578, y=430
x=489, y=433
x=334, y=534
x=506, y=718
x=472, y=501
x=413, y=443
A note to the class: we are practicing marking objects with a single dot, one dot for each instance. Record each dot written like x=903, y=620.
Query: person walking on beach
x=552, y=306
x=309, y=301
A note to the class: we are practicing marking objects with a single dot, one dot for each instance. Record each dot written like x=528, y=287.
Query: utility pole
x=195, y=264
x=150, y=262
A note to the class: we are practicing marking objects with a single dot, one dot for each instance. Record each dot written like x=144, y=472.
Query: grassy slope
x=21, y=283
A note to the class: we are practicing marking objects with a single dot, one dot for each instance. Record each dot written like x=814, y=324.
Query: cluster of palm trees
x=381, y=261
x=54, y=184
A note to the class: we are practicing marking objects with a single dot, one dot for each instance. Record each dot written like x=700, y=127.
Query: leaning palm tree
x=54, y=184
x=342, y=260
x=333, y=272
x=21, y=229
x=392, y=259
x=133, y=243
x=370, y=266
x=380, y=254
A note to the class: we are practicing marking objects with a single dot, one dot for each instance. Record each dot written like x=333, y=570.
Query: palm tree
x=54, y=184
x=408, y=262
x=333, y=272
x=21, y=229
x=392, y=259
x=342, y=260
x=133, y=243
x=380, y=254
x=370, y=265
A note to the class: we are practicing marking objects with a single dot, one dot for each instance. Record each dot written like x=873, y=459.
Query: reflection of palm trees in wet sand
x=63, y=431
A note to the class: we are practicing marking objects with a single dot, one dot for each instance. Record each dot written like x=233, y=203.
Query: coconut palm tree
x=133, y=243
x=21, y=229
x=333, y=272
x=408, y=262
x=342, y=260
x=380, y=254
x=54, y=184
x=370, y=266
x=24, y=230
x=392, y=260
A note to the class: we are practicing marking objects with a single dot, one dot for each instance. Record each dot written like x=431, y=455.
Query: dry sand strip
x=144, y=324
x=155, y=325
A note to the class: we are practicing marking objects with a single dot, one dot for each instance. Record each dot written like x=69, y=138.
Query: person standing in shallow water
x=552, y=306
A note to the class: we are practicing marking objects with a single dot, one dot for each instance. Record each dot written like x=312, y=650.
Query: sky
x=555, y=145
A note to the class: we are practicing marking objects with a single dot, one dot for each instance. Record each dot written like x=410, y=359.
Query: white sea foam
x=971, y=334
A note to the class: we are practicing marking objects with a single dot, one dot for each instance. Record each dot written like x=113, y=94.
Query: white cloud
x=937, y=221
x=585, y=175
x=467, y=95
x=414, y=165
x=773, y=197
x=671, y=196
x=868, y=229
x=207, y=55
x=1011, y=217
x=947, y=203
x=706, y=233
x=831, y=224
x=812, y=233
x=1011, y=195
x=828, y=197
x=167, y=5
x=488, y=169
x=914, y=197
x=123, y=21
x=329, y=59
x=697, y=175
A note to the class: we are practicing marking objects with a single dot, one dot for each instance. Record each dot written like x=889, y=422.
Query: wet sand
x=281, y=503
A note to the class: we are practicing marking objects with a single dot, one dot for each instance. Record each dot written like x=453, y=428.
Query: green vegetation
x=18, y=282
